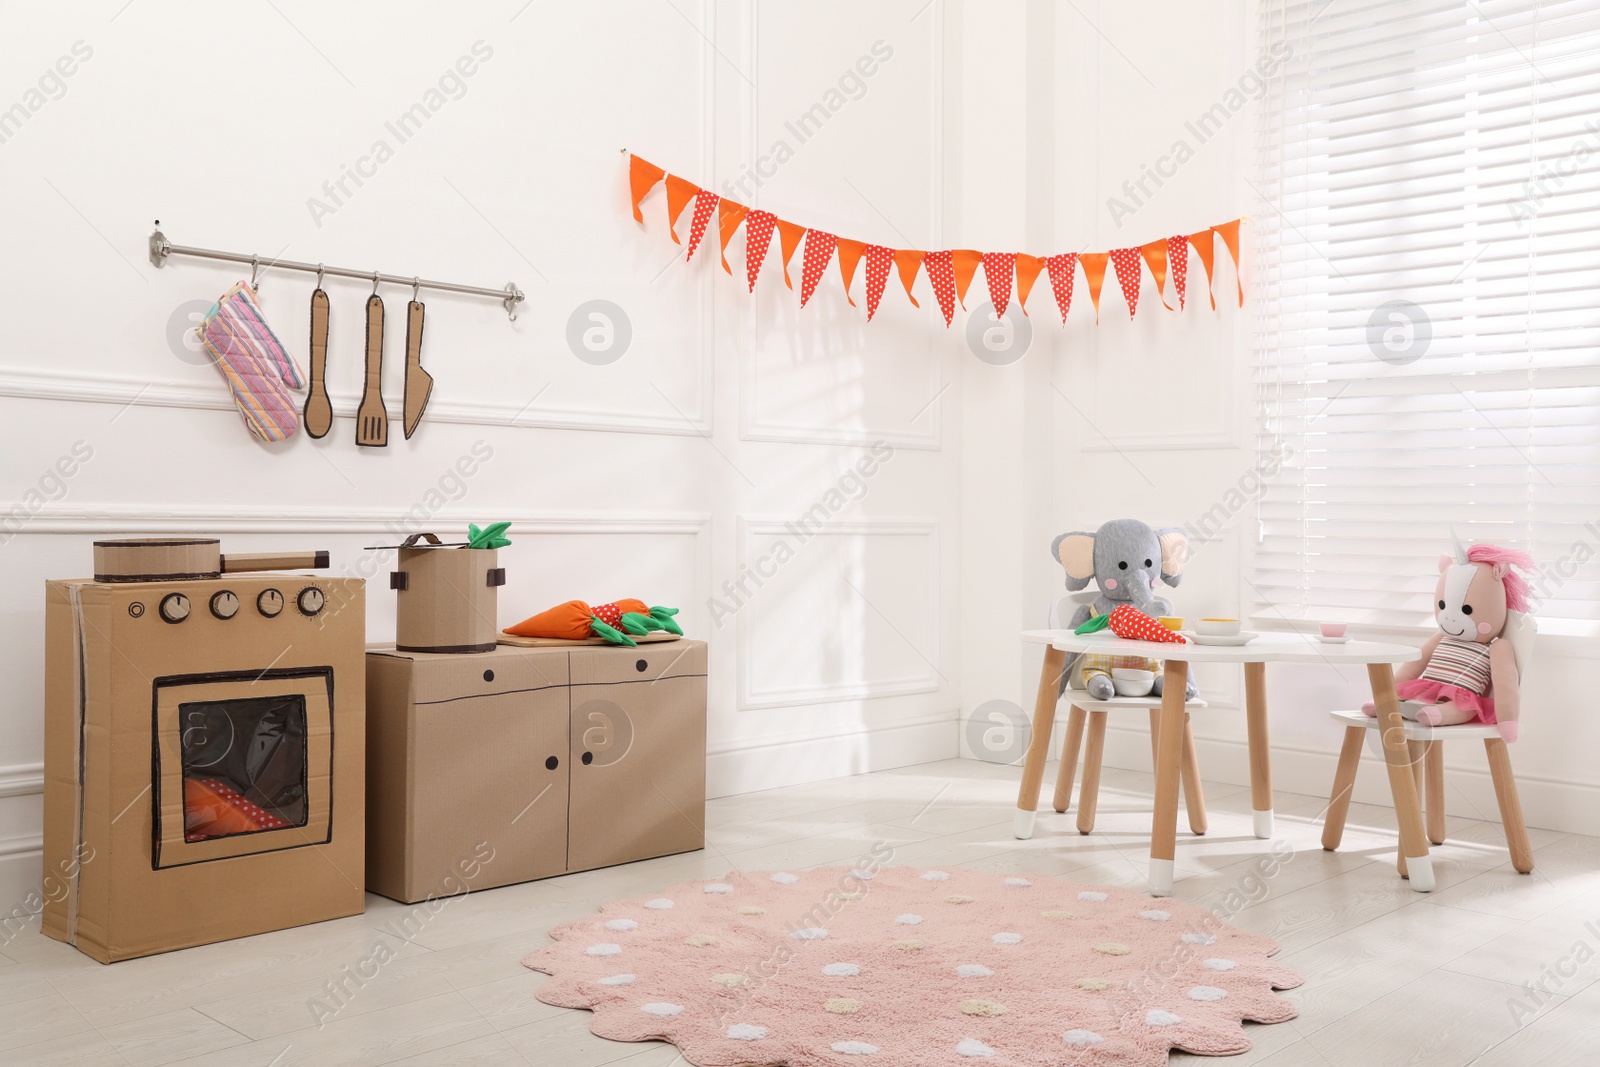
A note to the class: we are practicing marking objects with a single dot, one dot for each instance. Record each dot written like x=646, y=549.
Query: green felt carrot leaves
x=491, y=536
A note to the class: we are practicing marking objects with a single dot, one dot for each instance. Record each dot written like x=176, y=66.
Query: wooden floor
x=1392, y=977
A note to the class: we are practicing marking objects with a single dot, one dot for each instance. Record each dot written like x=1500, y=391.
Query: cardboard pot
x=446, y=596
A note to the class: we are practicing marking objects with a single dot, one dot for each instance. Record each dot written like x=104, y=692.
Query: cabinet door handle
x=551, y=764
x=588, y=758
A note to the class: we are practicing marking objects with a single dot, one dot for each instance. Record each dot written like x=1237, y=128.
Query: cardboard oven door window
x=242, y=764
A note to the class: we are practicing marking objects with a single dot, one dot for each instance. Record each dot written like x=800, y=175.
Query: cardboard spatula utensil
x=419, y=383
x=372, y=419
x=319, y=411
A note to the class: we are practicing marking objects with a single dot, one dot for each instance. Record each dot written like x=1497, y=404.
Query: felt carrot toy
x=576, y=620
x=1129, y=622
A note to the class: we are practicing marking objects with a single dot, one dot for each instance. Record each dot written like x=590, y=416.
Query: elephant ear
x=1075, y=552
x=1174, y=554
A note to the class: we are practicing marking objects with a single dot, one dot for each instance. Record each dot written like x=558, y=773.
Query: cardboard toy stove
x=204, y=747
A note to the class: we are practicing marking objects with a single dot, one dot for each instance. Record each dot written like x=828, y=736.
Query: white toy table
x=1264, y=649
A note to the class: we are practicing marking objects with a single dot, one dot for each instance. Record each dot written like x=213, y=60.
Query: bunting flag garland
x=819, y=249
x=1062, y=268
x=705, y=202
x=950, y=272
x=1028, y=268
x=789, y=234
x=942, y=277
x=1155, y=257
x=1205, y=246
x=1126, y=263
x=1178, y=258
x=879, y=260
x=908, y=262
x=998, y=270
x=757, y=238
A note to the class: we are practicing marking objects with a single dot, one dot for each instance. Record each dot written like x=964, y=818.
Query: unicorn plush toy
x=1469, y=670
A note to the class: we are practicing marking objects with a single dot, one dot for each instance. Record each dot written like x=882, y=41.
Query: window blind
x=1427, y=313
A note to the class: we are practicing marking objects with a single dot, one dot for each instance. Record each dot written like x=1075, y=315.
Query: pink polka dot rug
x=909, y=967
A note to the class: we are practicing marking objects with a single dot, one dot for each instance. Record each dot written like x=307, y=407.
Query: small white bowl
x=1131, y=682
x=1217, y=627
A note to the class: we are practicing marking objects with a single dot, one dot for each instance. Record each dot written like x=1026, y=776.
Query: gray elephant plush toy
x=1127, y=560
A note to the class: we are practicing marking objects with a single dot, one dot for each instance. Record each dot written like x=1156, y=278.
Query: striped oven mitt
x=259, y=371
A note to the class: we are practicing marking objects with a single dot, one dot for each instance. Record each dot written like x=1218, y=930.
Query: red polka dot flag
x=819, y=249
x=1062, y=268
x=879, y=260
x=1126, y=262
x=705, y=202
x=757, y=237
x=949, y=272
x=998, y=270
x=942, y=276
x=1178, y=261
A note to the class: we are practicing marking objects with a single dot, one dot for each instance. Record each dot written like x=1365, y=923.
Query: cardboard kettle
x=446, y=596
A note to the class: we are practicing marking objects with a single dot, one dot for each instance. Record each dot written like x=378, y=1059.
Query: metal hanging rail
x=161, y=248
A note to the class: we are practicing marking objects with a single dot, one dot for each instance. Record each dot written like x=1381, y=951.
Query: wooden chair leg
x=1344, y=780
x=1435, y=779
x=1069, y=757
x=1155, y=731
x=1089, y=792
x=1194, y=797
x=1505, y=790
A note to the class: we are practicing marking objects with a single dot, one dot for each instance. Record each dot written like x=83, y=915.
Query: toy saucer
x=1244, y=637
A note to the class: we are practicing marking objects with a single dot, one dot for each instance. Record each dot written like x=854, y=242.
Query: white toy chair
x=1427, y=762
x=1086, y=711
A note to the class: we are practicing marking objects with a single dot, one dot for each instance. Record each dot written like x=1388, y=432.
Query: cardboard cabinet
x=501, y=767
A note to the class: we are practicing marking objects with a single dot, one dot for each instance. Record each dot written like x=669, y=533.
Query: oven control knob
x=224, y=605
x=310, y=600
x=269, y=603
x=174, y=607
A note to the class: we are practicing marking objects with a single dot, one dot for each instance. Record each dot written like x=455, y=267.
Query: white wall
x=656, y=476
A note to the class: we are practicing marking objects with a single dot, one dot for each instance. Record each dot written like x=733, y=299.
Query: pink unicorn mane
x=1517, y=588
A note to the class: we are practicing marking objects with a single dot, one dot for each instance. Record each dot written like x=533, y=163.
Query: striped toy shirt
x=1464, y=664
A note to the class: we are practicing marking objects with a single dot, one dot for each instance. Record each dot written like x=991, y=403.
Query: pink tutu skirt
x=1427, y=691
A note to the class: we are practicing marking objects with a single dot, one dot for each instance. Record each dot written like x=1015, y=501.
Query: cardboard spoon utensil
x=372, y=418
x=318, y=410
x=419, y=383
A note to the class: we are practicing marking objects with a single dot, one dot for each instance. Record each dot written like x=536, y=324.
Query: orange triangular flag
x=819, y=249
x=1125, y=261
x=679, y=193
x=1155, y=257
x=964, y=261
x=1061, y=267
x=757, y=238
x=849, y=255
x=908, y=262
x=1028, y=268
x=1229, y=232
x=789, y=234
x=642, y=177
x=729, y=216
x=1094, y=272
x=1205, y=245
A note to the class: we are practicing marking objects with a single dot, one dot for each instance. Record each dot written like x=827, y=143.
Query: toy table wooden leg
x=1414, y=859
x=1255, y=707
x=1044, y=721
x=1169, y=754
